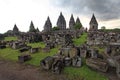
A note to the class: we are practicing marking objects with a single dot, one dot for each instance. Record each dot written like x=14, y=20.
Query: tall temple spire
x=32, y=28
x=15, y=29
x=93, y=20
x=61, y=23
x=78, y=23
x=93, y=24
x=71, y=22
x=78, y=20
x=48, y=25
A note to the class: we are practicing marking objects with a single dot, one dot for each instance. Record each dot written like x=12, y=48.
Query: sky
x=21, y=12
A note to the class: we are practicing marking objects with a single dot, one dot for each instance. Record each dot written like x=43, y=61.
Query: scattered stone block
x=47, y=63
x=34, y=50
x=2, y=46
x=24, y=57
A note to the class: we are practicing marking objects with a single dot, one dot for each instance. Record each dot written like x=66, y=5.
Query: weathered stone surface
x=2, y=46
x=57, y=66
x=31, y=37
x=17, y=45
x=47, y=63
x=71, y=22
x=103, y=38
x=93, y=24
x=48, y=25
x=24, y=57
x=67, y=61
x=61, y=23
x=98, y=64
x=34, y=50
x=16, y=30
x=46, y=49
x=77, y=61
x=26, y=48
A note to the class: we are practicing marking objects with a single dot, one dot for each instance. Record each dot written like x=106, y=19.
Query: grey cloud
x=104, y=9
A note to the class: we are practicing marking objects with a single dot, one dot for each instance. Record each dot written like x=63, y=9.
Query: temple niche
x=71, y=22
x=48, y=25
x=61, y=22
x=93, y=24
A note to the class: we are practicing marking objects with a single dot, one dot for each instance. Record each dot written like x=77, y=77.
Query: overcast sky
x=21, y=12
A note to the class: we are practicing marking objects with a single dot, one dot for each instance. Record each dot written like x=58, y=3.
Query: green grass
x=34, y=45
x=37, y=57
x=9, y=54
x=72, y=73
x=83, y=73
x=80, y=40
x=10, y=38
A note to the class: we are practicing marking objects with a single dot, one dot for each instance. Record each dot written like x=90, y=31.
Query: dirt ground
x=16, y=71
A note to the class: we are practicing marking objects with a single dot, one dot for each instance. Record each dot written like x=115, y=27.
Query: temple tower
x=71, y=22
x=61, y=23
x=93, y=24
x=48, y=25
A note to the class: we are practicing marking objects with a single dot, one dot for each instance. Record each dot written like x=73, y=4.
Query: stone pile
x=103, y=38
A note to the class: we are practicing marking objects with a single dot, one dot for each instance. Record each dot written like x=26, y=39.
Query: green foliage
x=116, y=30
x=10, y=38
x=80, y=40
x=55, y=28
x=78, y=26
x=111, y=30
x=103, y=27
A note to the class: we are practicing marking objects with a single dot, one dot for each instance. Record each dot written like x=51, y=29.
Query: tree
x=55, y=28
x=78, y=26
x=103, y=27
x=32, y=28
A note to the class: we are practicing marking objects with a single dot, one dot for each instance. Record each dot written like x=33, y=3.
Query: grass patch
x=100, y=49
x=37, y=57
x=83, y=73
x=81, y=40
x=9, y=54
x=10, y=38
x=39, y=44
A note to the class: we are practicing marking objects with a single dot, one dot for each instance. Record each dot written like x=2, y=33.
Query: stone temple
x=93, y=24
x=48, y=25
x=71, y=22
x=61, y=23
